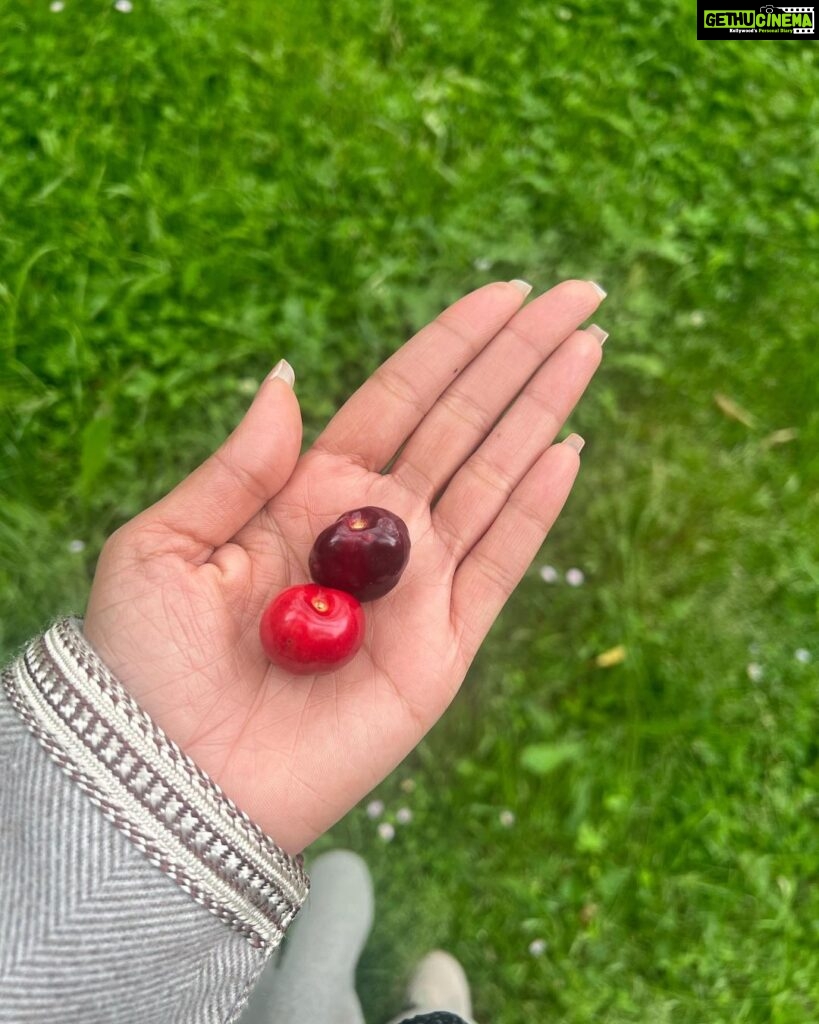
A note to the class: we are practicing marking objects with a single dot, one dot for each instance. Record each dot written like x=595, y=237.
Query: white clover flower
x=482, y=263
x=549, y=574
x=697, y=318
x=403, y=815
x=408, y=785
x=506, y=818
x=537, y=947
x=56, y=6
x=247, y=386
x=76, y=547
x=375, y=808
x=575, y=577
x=123, y=6
x=755, y=671
x=386, y=831
x=802, y=655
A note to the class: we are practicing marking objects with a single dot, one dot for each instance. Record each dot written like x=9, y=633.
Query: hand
x=179, y=590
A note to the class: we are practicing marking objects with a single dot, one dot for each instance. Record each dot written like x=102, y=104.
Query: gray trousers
x=312, y=978
x=91, y=930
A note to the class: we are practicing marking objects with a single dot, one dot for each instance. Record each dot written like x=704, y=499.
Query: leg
x=313, y=980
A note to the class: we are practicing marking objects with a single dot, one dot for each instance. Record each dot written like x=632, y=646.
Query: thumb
x=243, y=474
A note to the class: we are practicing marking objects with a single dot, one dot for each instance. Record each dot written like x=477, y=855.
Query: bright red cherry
x=310, y=628
x=363, y=552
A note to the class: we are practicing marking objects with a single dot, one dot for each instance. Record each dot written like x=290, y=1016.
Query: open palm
x=179, y=591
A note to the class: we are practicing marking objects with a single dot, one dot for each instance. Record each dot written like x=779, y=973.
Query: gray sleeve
x=131, y=888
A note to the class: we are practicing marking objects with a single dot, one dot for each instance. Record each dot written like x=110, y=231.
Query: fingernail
x=600, y=291
x=522, y=286
x=598, y=332
x=575, y=441
x=283, y=371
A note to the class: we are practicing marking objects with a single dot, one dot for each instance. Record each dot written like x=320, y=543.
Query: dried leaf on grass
x=613, y=656
x=733, y=410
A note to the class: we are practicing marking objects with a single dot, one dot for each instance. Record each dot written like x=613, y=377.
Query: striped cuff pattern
x=153, y=792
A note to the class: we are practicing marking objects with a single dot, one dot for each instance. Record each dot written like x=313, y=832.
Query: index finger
x=376, y=420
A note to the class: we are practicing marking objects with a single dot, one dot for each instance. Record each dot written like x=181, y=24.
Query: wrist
x=149, y=789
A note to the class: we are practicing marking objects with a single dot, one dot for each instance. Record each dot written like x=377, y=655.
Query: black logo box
x=742, y=32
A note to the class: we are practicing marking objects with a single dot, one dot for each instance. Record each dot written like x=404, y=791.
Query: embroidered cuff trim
x=153, y=792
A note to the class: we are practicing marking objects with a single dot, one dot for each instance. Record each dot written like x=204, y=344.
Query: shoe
x=439, y=983
x=314, y=977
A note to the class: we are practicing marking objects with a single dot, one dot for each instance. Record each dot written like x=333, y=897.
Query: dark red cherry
x=309, y=628
x=363, y=552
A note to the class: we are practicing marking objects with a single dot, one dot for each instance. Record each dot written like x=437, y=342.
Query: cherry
x=363, y=552
x=310, y=628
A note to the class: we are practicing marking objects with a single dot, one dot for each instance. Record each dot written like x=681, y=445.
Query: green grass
x=194, y=190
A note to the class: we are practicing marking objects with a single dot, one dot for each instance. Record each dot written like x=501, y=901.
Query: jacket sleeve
x=131, y=888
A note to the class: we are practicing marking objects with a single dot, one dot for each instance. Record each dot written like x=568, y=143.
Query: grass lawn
x=192, y=190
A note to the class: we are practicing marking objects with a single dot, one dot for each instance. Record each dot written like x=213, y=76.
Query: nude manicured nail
x=597, y=332
x=522, y=286
x=575, y=441
x=600, y=291
x=283, y=371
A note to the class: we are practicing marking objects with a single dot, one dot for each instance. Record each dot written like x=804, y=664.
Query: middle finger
x=482, y=486
x=467, y=410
